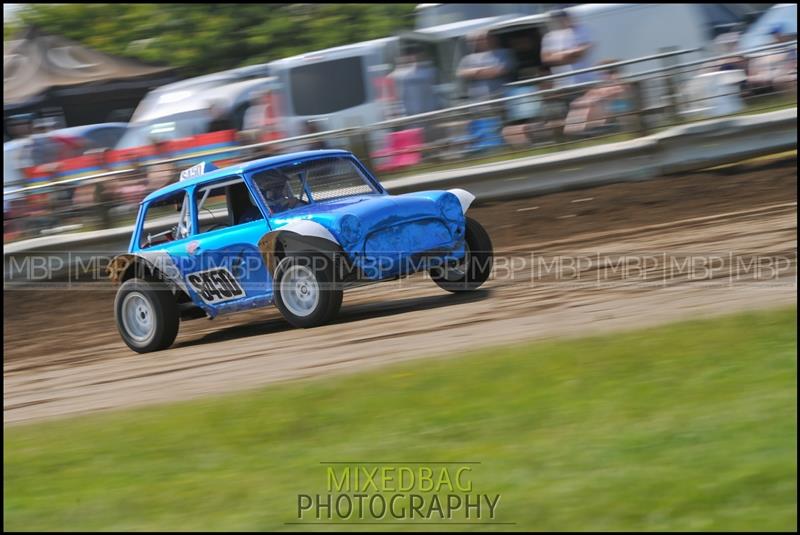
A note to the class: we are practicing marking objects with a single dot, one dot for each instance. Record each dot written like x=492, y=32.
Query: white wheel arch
x=305, y=227
x=464, y=197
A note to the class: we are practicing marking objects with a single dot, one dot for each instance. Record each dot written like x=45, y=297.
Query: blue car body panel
x=224, y=271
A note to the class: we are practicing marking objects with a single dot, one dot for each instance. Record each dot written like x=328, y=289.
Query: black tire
x=320, y=269
x=154, y=298
x=478, y=264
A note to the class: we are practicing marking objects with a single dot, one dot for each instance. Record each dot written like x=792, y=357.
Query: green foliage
x=204, y=38
x=686, y=427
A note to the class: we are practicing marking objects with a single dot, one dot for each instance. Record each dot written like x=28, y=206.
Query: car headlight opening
x=350, y=229
x=451, y=208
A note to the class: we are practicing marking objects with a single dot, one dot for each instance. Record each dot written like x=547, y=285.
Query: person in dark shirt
x=219, y=119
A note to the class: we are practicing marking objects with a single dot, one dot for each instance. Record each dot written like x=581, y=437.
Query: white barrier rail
x=678, y=149
x=443, y=113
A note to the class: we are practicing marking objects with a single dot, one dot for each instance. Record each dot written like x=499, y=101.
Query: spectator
x=20, y=126
x=566, y=48
x=255, y=118
x=486, y=69
x=775, y=70
x=104, y=194
x=523, y=111
x=415, y=79
x=728, y=43
x=310, y=127
x=131, y=187
x=526, y=113
x=161, y=173
x=526, y=53
x=219, y=118
x=598, y=108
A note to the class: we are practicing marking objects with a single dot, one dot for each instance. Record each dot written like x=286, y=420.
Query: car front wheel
x=472, y=270
x=147, y=315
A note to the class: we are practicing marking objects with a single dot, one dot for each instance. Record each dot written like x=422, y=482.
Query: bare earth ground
x=589, y=261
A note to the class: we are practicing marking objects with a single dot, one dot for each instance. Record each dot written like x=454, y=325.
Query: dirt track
x=63, y=354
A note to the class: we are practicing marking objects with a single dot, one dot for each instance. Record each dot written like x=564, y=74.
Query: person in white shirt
x=487, y=69
x=566, y=48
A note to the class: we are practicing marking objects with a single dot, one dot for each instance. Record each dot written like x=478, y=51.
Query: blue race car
x=293, y=230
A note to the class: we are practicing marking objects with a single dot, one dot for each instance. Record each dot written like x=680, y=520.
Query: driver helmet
x=276, y=188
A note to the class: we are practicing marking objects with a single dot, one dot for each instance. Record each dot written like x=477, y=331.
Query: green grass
x=690, y=426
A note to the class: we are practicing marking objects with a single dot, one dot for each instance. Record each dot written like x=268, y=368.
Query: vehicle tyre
x=147, y=315
x=476, y=266
x=304, y=290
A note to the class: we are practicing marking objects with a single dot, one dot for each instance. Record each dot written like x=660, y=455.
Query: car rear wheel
x=304, y=290
x=474, y=269
x=146, y=314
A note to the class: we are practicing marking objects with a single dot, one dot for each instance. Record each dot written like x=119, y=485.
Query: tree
x=205, y=38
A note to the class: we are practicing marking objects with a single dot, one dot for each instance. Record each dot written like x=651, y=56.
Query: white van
x=334, y=88
x=346, y=86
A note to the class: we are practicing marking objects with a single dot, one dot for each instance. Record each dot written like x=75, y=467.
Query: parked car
x=293, y=230
x=23, y=159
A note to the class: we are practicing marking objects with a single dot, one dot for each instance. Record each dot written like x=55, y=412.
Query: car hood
x=372, y=211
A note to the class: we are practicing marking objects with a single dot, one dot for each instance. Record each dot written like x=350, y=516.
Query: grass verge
x=690, y=426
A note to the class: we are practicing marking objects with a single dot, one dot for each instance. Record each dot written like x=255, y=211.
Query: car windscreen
x=106, y=137
x=328, y=86
x=292, y=185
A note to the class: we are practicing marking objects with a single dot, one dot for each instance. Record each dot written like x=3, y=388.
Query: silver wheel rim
x=138, y=317
x=458, y=271
x=300, y=290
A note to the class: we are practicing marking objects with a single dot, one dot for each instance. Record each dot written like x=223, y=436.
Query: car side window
x=225, y=204
x=105, y=137
x=166, y=219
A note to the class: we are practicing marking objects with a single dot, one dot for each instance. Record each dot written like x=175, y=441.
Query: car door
x=223, y=266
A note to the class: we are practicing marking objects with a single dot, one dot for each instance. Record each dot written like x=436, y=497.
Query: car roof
x=61, y=132
x=309, y=57
x=79, y=130
x=240, y=168
x=199, y=99
x=226, y=77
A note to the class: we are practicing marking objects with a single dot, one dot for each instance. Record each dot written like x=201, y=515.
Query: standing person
x=728, y=44
x=104, y=194
x=415, y=87
x=261, y=124
x=255, y=119
x=774, y=70
x=219, y=118
x=566, y=48
x=310, y=127
x=415, y=79
x=160, y=173
x=487, y=68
